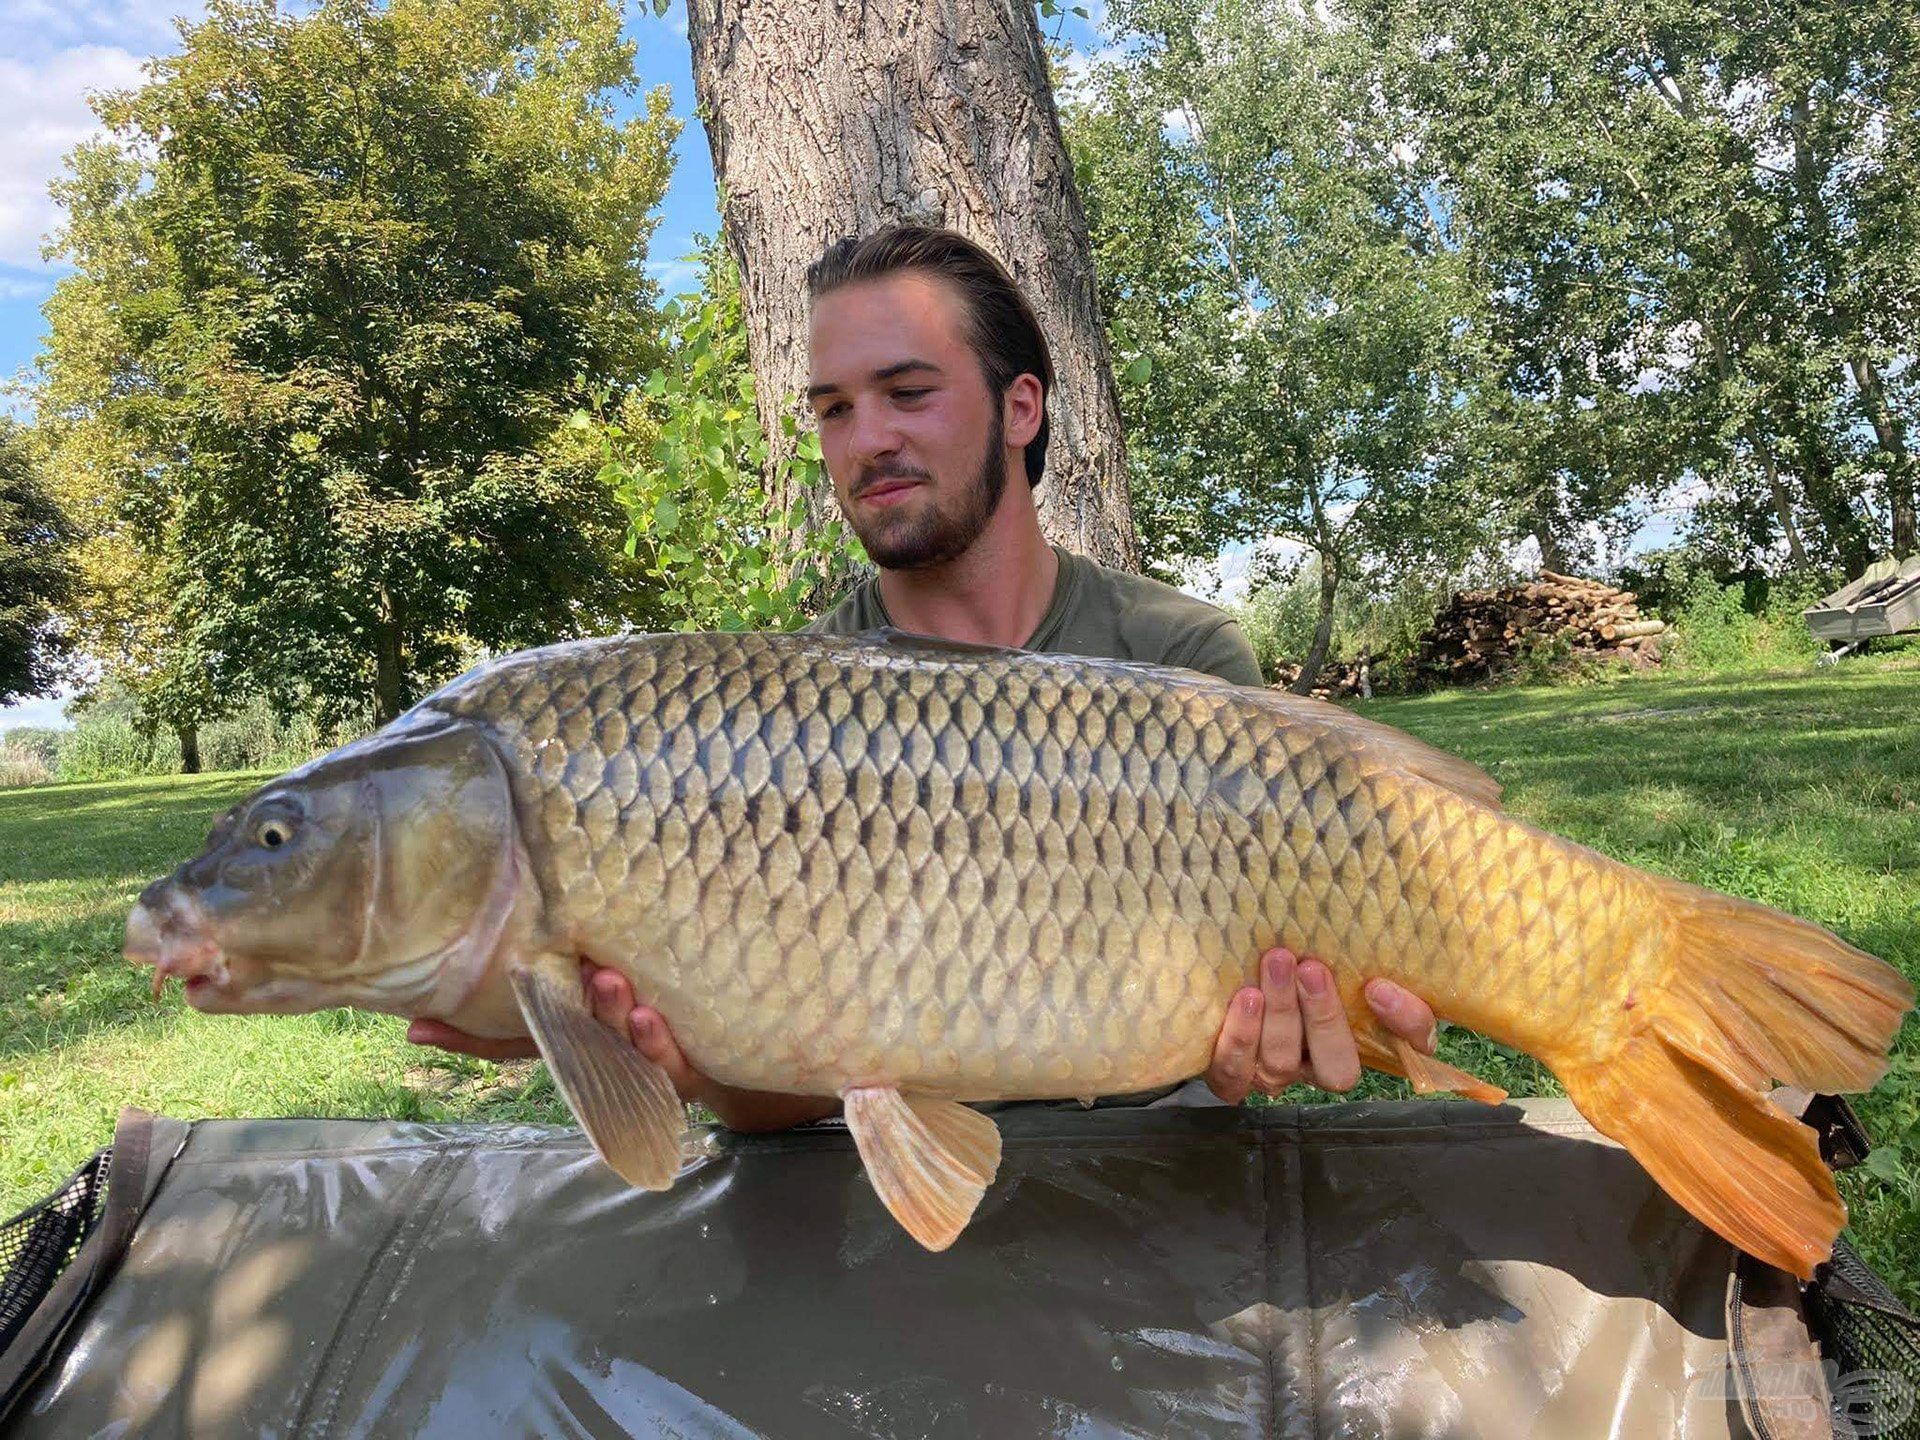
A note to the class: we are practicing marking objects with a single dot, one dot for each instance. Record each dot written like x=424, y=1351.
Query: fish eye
x=274, y=833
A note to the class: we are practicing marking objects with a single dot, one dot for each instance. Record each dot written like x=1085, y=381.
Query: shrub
x=1715, y=630
x=107, y=745
x=254, y=739
x=21, y=765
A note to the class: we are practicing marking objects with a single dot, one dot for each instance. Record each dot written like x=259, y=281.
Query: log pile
x=1338, y=679
x=1485, y=634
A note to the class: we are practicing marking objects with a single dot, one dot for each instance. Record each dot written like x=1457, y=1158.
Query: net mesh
x=1874, y=1344
x=41, y=1241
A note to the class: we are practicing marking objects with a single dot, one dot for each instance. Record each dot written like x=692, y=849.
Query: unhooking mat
x=1401, y=1269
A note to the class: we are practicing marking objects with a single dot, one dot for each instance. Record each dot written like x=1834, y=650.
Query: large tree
x=1267, y=261
x=373, y=248
x=34, y=573
x=1703, y=203
x=831, y=119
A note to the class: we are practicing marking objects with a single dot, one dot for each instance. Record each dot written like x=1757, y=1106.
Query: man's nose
x=871, y=434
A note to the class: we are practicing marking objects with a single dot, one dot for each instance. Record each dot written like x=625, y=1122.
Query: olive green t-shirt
x=1101, y=612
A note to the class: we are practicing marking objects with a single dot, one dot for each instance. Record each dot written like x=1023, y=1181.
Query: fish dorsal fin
x=1388, y=747
x=929, y=1160
x=934, y=647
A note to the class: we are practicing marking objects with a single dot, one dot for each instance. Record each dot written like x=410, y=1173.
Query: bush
x=1385, y=624
x=106, y=745
x=21, y=765
x=1716, y=629
x=254, y=739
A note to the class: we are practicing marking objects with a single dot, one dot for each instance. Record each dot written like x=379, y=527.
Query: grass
x=1801, y=789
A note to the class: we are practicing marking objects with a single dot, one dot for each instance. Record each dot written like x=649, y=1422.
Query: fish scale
x=909, y=873
x=837, y=857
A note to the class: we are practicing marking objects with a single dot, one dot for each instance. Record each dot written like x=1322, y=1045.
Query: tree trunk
x=1322, y=632
x=389, y=668
x=1552, y=555
x=1782, y=501
x=189, y=748
x=829, y=119
x=1892, y=436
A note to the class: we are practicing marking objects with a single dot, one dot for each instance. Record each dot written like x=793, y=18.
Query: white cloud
x=675, y=276
x=25, y=287
x=40, y=28
x=44, y=114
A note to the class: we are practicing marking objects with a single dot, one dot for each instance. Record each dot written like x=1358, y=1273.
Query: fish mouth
x=169, y=932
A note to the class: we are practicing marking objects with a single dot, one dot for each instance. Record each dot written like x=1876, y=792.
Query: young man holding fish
x=921, y=344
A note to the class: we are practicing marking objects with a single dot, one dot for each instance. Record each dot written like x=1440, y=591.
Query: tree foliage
x=1695, y=222
x=338, y=276
x=34, y=575
x=687, y=460
x=1271, y=273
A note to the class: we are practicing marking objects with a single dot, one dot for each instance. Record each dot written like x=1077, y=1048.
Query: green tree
x=1701, y=217
x=338, y=277
x=34, y=573
x=1289, y=325
x=687, y=460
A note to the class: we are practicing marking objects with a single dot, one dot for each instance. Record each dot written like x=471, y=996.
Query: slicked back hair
x=1001, y=326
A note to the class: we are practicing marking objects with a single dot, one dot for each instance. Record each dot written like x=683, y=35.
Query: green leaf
x=660, y=8
x=666, y=515
x=1884, y=1164
x=1138, y=371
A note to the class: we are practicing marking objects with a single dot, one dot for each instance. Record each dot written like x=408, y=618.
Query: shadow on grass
x=112, y=829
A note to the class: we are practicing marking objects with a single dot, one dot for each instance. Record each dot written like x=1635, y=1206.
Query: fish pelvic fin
x=624, y=1101
x=1765, y=994
x=929, y=1160
x=1737, y=1163
x=1380, y=1049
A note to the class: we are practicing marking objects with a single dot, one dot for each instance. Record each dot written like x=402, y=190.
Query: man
x=929, y=383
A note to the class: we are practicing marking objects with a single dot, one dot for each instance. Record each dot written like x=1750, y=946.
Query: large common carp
x=912, y=873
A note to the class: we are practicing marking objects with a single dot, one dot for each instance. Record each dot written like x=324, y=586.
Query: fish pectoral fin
x=624, y=1101
x=929, y=1160
x=1385, y=1051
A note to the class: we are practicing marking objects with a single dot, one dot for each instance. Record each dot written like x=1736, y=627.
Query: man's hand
x=1292, y=1026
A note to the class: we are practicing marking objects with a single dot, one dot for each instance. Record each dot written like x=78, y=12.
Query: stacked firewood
x=1337, y=679
x=1487, y=633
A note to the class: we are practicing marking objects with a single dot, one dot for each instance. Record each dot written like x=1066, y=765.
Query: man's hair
x=1001, y=326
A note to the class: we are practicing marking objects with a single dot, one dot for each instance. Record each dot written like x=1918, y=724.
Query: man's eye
x=910, y=394
x=832, y=410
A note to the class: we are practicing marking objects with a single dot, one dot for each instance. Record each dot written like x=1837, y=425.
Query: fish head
x=380, y=876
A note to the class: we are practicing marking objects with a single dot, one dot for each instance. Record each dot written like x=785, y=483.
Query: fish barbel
x=913, y=873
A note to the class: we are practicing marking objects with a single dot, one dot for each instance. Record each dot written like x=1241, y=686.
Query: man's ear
x=1022, y=408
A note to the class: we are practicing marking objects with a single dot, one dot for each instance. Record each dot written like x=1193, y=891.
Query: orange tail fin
x=1754, y=994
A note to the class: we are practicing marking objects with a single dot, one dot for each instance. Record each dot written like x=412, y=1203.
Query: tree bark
x=1892, y=436
x=389, y=665
x=1782, y=501
x=1323, y=631
x=189, y=748
x=828, y=118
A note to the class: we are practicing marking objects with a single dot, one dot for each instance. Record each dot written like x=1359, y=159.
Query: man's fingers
x=611, y=995
x=1404, y=1013
x=1230, y=1075
x=647, y=1029
x=1331, y=1054
x=1277, y=1064
x=443, y=1036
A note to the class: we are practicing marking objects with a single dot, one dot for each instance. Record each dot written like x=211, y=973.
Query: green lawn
x=1802, y=790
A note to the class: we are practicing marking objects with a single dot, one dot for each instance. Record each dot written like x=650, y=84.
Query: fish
x=913, y=874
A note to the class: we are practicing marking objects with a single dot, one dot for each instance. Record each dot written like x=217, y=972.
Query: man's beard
x=935, y=536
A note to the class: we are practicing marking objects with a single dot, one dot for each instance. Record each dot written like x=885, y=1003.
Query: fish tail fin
x=1753, y=993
